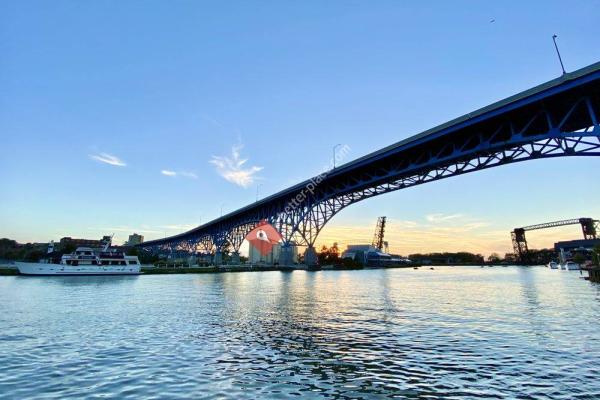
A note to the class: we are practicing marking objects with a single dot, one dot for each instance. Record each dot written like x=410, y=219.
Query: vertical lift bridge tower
x=588, y=226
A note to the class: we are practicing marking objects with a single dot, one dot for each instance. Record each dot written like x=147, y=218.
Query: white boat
x=86, y=261
x=553, y=265
x=570, y=266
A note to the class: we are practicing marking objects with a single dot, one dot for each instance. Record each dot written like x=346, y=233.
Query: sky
x=156, y=116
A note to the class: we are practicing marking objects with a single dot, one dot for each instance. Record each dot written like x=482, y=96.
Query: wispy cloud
x=188, y=174
x=108, y=159
x=144, y=228
x=179, y=227
x=405, y=238
x=185, y=174
x=233, y=168
x=125, y=229
x=442, y=217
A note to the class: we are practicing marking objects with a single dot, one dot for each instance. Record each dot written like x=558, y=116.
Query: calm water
x=449, y=333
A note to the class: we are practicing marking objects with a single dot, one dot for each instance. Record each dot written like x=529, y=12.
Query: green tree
x=579, y=258
x=323, y=255
x=494, y=258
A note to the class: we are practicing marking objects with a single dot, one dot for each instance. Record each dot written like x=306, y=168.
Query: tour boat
x=553, y=265
x=86, y=261
x=570, y=266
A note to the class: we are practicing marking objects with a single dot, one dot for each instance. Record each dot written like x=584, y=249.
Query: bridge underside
x=560, y=124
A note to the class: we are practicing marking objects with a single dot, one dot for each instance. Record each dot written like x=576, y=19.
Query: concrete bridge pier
x=218, y=258
x=310, y=256
x=286, y=255
x=235, y=258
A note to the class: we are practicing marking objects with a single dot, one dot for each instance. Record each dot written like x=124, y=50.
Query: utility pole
x=558, y=53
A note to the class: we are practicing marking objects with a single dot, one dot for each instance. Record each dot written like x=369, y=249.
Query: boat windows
x=114, y=263
x=123, y=263
x=133, y=262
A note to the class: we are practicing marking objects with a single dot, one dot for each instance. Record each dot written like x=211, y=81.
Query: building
x=370, y=256
x=70, y=242
x=135, y=239
x=568, y=249
x=272, y=257
x=358, y=252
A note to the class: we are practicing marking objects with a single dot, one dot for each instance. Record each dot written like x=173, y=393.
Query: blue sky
x=137, y=115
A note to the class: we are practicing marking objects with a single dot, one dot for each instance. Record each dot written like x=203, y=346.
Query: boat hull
x=571, y=267
x=42, y=269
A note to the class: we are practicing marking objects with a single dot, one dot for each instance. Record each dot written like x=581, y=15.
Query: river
x=452, y=332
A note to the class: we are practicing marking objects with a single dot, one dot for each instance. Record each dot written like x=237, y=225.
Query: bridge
x=588, y=227
x=559, y=118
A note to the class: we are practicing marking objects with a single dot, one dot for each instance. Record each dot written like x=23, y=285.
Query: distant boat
x=570, y=266
x=552, y=265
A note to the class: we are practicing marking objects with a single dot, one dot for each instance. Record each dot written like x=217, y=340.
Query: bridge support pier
x=310, y=256
x=235, y=258
x=286, y=255
x=218, y=258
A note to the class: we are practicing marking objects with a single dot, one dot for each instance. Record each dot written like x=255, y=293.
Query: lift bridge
x=559, y=118
x=588, y=226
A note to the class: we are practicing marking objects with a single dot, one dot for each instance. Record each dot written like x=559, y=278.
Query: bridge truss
x=556, y=119
x=588, y=227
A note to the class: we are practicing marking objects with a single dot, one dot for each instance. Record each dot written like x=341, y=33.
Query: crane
x=378, y=242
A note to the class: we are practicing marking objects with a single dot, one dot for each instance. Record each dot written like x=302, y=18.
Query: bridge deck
x=551, y=90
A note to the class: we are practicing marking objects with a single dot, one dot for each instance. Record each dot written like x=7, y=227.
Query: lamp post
x=334, y=148
x=558, y=53
x=257, y=186
x=222, y=204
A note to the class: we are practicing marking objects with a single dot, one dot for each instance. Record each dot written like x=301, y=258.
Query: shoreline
x=6, y=270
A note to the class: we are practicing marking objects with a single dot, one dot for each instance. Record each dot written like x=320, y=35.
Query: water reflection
x=76, y=281
x=452, y=332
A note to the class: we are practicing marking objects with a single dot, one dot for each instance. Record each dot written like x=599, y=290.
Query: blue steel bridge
x=559, y=118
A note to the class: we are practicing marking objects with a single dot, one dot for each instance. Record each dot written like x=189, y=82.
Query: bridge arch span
x=557, y=119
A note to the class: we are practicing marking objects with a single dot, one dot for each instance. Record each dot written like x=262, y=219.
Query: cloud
x=232, y=168
x=185, y=174
x=160, y=229
x=405, y=239
x=108, y=159
x=125, y=229
x=179, y=227
x=442, y=217
x=188, y=174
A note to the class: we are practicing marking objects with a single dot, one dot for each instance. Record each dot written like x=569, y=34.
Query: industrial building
x=272, y=257
x=376, y=253
x=135, y=239
x=69, y=241
x=566, y=250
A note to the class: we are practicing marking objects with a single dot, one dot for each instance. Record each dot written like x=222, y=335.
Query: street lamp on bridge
x=334, y=149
